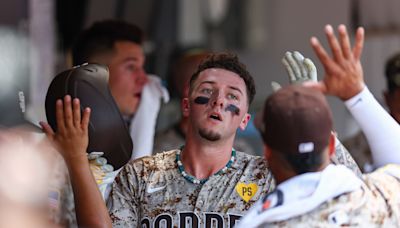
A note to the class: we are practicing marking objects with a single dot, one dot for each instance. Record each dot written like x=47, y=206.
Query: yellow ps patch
x=246, y=191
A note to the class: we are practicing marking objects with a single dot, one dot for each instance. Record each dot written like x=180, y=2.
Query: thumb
x=319, y=86
x=275, y=86
x=46, y=128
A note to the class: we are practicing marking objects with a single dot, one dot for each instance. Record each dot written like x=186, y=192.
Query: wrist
x=352, y=92
x=80, y=160
x=354, y=101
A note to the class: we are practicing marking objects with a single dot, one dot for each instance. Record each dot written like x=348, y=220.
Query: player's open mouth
x=216, y=116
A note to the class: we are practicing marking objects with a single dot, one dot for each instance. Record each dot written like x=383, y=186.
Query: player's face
x=127, y=76
x=217, y=105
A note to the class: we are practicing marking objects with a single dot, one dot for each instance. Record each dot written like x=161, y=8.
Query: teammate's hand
x=71, y=138
x=343, y=71
x=298, y=68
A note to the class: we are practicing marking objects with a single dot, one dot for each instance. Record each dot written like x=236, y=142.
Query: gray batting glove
x=97, y=159
x=299, y=69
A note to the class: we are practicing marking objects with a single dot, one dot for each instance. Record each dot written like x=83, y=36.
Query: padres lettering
x=191, y=220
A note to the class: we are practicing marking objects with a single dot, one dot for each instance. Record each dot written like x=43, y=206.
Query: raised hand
x=298, y=68
x=71, y=138
x=343, y=71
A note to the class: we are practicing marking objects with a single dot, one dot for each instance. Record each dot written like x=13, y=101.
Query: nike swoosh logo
x=153, y=190
x=357, y=101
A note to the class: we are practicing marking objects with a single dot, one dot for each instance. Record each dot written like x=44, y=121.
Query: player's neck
x=203, y=160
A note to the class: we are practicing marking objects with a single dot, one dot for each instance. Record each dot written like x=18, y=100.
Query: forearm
x=380, y=129
x=91, y=210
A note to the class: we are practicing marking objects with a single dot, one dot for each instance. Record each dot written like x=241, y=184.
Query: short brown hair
x=230, y=62
x=101, y=37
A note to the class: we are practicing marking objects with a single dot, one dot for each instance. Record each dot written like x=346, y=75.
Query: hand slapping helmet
x=108, y=132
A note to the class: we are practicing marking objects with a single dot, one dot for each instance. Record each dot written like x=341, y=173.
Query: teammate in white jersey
x=310, y=191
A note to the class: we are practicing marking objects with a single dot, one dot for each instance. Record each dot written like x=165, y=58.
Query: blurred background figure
x=183, y=64
x=392, y=94
x=28, y=167
x=358, y=145
x=26, y=176
x=118, y=45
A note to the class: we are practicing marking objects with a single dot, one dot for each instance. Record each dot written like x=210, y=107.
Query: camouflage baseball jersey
x=359, y=149
x=343, y=157
x=151, y=192
x=375, y=204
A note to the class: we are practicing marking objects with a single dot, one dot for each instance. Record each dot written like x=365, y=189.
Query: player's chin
x=209, y=135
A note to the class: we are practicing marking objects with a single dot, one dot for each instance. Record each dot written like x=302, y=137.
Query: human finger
x=311, y=69
x=334, y=44
x=68, y=112
x=107, y=168
x=46, y=128
x=300, y=63
x=76, y=112
x=344, y=42
x=293, y=65
x=359, y=43
x=85, y=118
x=95, y=154
x=60, y=116
x=275, y=86
x=321, y=53
x=289, y=69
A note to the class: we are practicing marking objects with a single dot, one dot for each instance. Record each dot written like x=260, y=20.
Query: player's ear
x=245, y=120
x=185, y=106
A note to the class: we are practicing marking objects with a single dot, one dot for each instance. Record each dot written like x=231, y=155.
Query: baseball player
x=310, y=191
x=205, y=183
